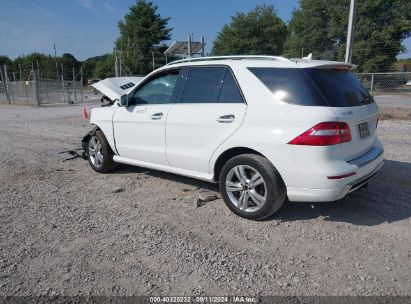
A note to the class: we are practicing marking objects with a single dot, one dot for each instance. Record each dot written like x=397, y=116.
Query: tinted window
x=229, y=91
x=290, y=85
x=341, y=88
x=157, y=91
x=203, y=84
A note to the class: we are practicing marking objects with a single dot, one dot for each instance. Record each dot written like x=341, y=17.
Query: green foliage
x=94, y=67
x=320, y=27
x=4, y=60
x=259, y=32
x=104, y=67
x=49, y=66
x=141, y=33
x=308, y=31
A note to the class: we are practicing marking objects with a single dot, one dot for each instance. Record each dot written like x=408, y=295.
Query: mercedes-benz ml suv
x=264, y=128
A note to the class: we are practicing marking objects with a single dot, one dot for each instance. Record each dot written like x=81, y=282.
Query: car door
x=211, y=108
x=139, y=129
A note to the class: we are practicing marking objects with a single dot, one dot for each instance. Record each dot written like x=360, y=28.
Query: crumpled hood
x=115, y=87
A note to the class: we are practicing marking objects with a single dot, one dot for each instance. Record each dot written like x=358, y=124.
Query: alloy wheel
x=246, y=188
x=95, y=151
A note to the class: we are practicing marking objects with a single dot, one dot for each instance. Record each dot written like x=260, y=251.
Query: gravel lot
x=67, y=230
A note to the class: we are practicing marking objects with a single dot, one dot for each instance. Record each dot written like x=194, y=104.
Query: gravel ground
x=66, y=230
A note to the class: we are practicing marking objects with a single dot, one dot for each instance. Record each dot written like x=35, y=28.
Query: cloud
x=109, y=8
x=41, y=9
x=88, y=4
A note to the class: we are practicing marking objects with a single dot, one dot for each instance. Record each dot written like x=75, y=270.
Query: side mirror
x=124, y=100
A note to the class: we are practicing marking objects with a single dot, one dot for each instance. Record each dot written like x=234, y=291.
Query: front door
x=139, y=129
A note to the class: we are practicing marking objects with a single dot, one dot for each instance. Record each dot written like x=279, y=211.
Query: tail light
x=324, y=134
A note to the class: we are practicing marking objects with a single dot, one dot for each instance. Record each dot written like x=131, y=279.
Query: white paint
x=188, y=140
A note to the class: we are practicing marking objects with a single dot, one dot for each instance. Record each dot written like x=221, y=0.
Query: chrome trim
x=366, y=158
x=157, y=116
x=226, y=118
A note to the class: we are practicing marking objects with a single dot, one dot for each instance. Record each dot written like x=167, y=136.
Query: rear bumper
x=366, y=166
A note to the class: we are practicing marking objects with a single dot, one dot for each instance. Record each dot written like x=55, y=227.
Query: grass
x=395, y=113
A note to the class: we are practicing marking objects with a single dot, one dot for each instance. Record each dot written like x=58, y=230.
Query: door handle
x=226, y=118
x=157, y=116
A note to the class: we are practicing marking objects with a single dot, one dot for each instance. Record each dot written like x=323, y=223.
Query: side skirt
x=194, y=174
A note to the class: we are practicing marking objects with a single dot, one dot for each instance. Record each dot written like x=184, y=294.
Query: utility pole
x=120, y=63
x=202, y=46
x=152, y=57
x=350, y=31
x=116, y=64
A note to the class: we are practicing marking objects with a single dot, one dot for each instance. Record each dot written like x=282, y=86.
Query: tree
x=4, y=60
x=308, y=31
x=259, y=32
x=141, y=33
x=320, y=27
x=104, y=67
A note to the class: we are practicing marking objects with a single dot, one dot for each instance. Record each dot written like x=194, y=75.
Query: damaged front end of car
x=85, y=140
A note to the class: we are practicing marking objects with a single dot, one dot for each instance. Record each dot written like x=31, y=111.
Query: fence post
x=36, y=87
x=372, y=82
x=6, y=77
x=81, y=84
x=62, y=81
x=5, y=87
x=74, y=84
x=21, y=81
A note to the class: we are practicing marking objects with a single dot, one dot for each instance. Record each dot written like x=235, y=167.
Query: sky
x=86, y=28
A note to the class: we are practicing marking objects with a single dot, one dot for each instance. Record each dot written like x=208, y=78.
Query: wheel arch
x=227, y=155
x=97, y=127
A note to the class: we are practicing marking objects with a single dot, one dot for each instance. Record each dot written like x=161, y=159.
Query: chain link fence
x=36, y=86
x=33, y=85
x=387, y=83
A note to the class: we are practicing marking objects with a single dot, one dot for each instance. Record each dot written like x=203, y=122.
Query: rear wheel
x=99, y=153
x=251, y=187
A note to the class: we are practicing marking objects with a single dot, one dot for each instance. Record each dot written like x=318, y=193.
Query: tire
x=258, y=193
x=99, y=153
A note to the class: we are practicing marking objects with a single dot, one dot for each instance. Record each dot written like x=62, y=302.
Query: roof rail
x=232, y=57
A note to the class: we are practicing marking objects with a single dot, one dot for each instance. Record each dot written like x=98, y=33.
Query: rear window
x=314, y=87
x=290, y=85
x=341, y=88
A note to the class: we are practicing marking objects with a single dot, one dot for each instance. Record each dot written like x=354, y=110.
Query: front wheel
x=99, y=153
x=251, y=187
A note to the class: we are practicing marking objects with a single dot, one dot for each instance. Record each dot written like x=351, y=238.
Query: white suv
x=265, y=128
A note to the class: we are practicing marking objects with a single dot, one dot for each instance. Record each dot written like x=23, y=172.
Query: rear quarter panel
x=270, y=124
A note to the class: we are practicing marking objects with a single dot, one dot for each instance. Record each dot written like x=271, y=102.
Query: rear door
x=352, y=104
x=211, y=108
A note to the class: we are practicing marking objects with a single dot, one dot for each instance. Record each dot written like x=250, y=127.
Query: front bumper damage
x=85, y=140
